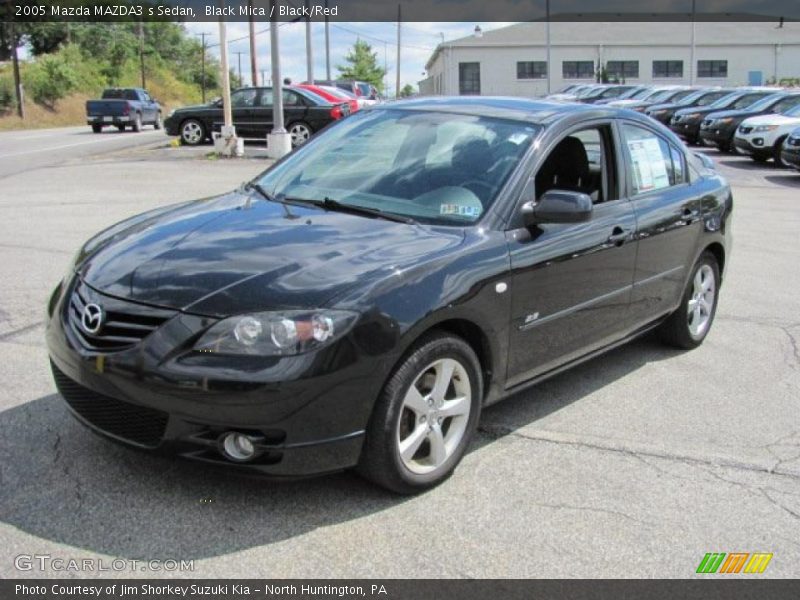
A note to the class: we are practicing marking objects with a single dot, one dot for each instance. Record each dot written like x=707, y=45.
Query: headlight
x=724, y=121
x=765, y=128
x=276, y=333
x=692, y=116
x=172, y=112
x=657, y=112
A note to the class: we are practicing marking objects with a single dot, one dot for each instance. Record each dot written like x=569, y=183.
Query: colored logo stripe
x=735, y=561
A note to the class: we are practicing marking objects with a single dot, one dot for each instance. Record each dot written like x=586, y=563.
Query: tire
x=435, y=442
x=687, y=327
x=300, y=132
x=192, y=132
x=97, y=128
x=121, y=128
x=159, y=122
x=776, y=154
x=759, y=158
x=137, y=123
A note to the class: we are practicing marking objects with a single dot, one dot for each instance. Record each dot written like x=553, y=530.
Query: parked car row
x=761, y=122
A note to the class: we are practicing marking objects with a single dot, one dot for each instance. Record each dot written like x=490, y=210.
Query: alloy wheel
x=701, y=301
x=300, y=134
x=434, y=416
x=192, y=132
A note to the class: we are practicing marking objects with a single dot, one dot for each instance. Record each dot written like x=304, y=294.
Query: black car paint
x=254, y=121
x=790, y=152
x=722, y=135
x=237, y=253
x=663, y=112
x=686, y=123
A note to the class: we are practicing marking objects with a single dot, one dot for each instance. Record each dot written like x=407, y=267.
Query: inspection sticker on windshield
x=460, y=210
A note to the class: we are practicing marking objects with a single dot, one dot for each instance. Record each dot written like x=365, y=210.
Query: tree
x=408, y=90
x=363, y=65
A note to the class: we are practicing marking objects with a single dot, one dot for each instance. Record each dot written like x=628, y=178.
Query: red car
x=331, y=94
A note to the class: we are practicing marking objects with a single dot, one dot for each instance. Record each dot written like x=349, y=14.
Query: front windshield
x=434, y=167
x=635, y=94
x=766, y=103
x=793, y=112
x=690, y=99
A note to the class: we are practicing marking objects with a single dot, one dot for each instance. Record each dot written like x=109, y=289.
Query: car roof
x=537, y=111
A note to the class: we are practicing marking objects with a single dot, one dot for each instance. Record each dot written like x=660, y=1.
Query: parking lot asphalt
x=635, y=464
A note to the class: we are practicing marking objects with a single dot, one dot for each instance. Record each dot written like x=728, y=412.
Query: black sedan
x=305, y=113
x=358, y=304
x=790, y=153
x=663, y=112
x=686, y=122
x=719, y=128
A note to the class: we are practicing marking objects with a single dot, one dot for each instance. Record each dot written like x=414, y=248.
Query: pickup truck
x=123, y=107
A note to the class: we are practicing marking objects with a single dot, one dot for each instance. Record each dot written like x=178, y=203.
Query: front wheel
x=97, y=128
x=776, y=155
x=689, y=325
x=137, y=123
x=425, y=417
x=159, y=122
x=192, y=132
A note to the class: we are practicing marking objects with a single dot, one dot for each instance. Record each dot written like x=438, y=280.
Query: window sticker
x=460, y=210
x=649, y=168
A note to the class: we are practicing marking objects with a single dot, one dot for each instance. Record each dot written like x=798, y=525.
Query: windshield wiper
x=334, y=205
x=250, y=185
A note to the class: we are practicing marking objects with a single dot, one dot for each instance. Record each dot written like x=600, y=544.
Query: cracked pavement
x=634, y=464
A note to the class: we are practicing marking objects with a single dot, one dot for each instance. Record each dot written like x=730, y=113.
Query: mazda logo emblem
x=92, y=318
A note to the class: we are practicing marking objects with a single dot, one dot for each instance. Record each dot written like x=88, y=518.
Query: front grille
x=136, y=424
x=745, y=129
x=125, y=324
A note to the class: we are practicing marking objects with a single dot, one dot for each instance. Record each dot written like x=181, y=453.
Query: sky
x=418, y=41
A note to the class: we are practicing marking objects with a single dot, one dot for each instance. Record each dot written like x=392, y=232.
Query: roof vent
x=478, y=31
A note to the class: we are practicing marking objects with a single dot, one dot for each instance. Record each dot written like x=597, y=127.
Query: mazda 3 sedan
x=358, y=303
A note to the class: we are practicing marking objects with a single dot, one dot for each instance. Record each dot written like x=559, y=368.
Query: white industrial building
x=513, y=60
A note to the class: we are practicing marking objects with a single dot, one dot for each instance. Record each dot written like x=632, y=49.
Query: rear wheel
x=300, y=133
x=689, y=325
x=425, y=417
x=121, y=127
x=192, y=132
x=97, y=128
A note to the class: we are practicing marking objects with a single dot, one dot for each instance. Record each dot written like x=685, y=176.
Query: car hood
x=235, y=253
x=772, y=119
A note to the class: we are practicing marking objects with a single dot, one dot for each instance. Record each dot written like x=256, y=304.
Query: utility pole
x=309, y=50
x=691, y=54
x=141, y=53
x=17, y=81
x=327, y=45
x=279, y=142
x=253, y=53
x=547, y=26
x=263, y=78
x=399, y=20
x=239, y=57
x=203, y=36
x=226, y=143
x=385, y=69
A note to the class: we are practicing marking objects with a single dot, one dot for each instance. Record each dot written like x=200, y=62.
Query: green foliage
x=408, y=90
x=7, y=100
x=49, y=79
x=363, y=65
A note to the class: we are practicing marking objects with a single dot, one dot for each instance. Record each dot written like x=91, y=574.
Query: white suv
x=762, y=137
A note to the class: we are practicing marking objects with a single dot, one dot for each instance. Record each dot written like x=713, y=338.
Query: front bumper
x=717, y=136
x=308, y=413
x=791, y=156
x=687, y=130
x=747, y=146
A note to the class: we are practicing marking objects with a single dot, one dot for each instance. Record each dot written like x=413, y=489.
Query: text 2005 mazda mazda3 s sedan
x=357, y=304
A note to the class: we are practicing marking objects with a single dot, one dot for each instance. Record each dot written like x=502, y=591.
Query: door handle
x=618, y=236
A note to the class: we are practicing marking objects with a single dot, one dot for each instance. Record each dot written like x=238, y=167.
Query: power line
x=377, y=39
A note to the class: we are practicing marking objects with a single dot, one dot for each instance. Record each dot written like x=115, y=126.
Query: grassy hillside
x=58, y=82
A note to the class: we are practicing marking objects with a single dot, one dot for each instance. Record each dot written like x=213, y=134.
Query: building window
x=469, y=78
x=577, y=69
x=667, y=68
x=712, y=68
x=531, y=69
x=622, y=69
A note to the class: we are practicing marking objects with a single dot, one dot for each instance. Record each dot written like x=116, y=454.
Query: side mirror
x=558, y=206
x=708, y=163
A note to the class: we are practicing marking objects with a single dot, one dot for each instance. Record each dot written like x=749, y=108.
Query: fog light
x=758, y=142
x=237, y=446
